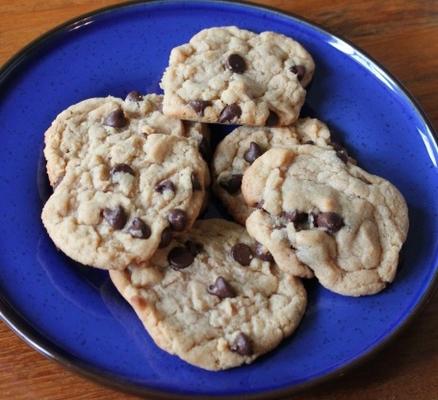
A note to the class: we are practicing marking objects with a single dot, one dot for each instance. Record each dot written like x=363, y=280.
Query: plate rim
x=30, y=335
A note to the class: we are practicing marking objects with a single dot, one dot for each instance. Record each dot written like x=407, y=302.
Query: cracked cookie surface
x=124, y=196
x=239, y=149
x=347, y=225
x=210, y=300
x=82, y=125
x=230, y=75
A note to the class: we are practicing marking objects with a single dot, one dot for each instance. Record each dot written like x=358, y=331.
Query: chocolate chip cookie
x=213, y=297
x=86, y=124
x=244, y=145
x=345, y=224
x=233, y=76
x=125, y=196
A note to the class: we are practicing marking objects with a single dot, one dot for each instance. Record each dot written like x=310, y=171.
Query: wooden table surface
x=400, y=34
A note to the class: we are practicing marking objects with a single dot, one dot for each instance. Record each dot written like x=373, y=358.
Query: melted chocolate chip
x=164, y=185
x=236, y=63
x=263, y=254
x=116, y=119
x=232, y=184
x=196, y=185
x=309, y=142
x=230, y=113
x=177, y=219
x=139, y=229
x=242, y=253
x=272, y=119
x=166, y=238
x=296, y=217
x=194, y=247
x=125, y=168
x=253, y=152
x=242, y=345
x=331, y=221
x=299, y=70
x=133, y=96
x=199, y=106
x=180, y=257
x=116, y=217
x=221, y=288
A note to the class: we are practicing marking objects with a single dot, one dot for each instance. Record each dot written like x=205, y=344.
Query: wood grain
x=400, y=34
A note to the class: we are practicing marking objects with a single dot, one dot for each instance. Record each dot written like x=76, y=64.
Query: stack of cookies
x=130, y=179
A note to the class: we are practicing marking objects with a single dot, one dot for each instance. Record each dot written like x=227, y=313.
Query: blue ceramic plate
x=74, y=314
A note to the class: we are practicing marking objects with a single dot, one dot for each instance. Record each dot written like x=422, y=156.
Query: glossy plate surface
x=74, y=313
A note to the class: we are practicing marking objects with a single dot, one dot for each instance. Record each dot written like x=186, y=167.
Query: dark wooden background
x=400, y=34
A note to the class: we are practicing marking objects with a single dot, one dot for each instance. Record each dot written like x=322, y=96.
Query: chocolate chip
x=298, y=70
x=177, y=219
x=196, y=185
x=180, y=257
x=242, y=253
x=221, y=288
x=242, y=345
x=232, y=184
x=309, y=142
x=262, y=253
x=116, y=217
x=230, y=113
x=194, y=247
x=139, y=229
x=236, y=63
x=272, y=119
x=133, y=96
x=125, y=168
x=164, y=185
x=329, y=220
x=116, y=119
x=199, y=106
x=253, y=152
x=341, y=151
x=295, y=216
x=205, y=149
x=166, y=238
x=301, y=220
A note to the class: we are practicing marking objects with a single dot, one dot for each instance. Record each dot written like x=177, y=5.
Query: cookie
x=347, y=225
x=241, y=147
x=127, y=193
x=83, y=124
x=212, y=298
x=233, y=76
